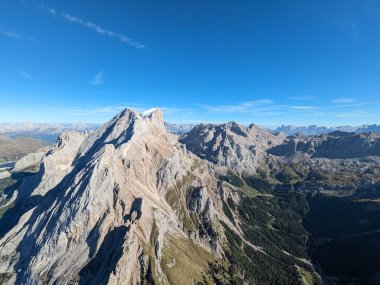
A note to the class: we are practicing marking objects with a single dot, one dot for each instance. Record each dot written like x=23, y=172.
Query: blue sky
x=268, y=62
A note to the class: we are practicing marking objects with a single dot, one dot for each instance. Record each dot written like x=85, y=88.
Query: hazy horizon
x=93, y=124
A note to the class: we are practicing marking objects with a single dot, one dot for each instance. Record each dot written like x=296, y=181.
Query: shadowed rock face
x=231, y=145
x=333, y=145
x=99, y=212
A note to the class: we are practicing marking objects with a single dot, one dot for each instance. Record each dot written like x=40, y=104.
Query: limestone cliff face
x=339, y=161
x=232, y=145
x=335, y=145
x=108, y=206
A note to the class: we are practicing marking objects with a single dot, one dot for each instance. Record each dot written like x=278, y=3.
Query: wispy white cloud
x=353, y=114
x=98, y=79
x=10, y=34
x=107, y=109
x=301, y=98
x=343, y=100
x=25, y=74
x=87, y=111
x=243, y=107
x=262, y=107
x=96, y=28
x=354, y=30
x=342, y=106
x=302, y=107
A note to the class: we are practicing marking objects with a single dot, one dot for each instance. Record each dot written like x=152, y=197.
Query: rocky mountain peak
x=127, y=124
x=231, y=144
x=124, y=193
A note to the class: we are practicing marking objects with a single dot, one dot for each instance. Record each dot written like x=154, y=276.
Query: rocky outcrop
x=199, y=202
x=232, y=145
x=4, y=174
x=334, y=145
x=29, y=161
x=338, y=161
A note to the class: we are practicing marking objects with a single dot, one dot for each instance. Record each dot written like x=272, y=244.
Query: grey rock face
x=198, y=201
x=333, y=145
x=4, y=174
x=231, y=145
x=28, y=161
x=338, y=161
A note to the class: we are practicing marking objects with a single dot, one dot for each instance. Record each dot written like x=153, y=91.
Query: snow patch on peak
x=149, y=112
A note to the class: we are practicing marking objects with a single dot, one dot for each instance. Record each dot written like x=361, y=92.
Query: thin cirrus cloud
x=96, y=28
x=301, y=98
x=98, y=79
x=262, y=106
x=302, y=107
x=25, y=74
x=343, y=100
x=243, y=107
x=10, y=34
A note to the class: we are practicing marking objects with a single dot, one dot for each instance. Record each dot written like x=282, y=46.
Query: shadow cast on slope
x=84, y=158
x=28, y=248
x=23, y=202
x=100, y=267
x=104, y=260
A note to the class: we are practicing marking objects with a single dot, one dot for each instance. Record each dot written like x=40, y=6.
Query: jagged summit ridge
x=127, y=124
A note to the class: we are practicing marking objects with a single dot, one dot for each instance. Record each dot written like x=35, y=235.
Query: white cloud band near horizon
x=343, y=100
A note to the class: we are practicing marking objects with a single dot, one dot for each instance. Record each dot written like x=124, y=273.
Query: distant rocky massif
x=319, y=130
x=178, y=128
x=44, y=132
x=134, y=203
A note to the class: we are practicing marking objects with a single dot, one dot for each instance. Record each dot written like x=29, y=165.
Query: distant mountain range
x=319, y=130
x=312, y=130
x=50, y=132
x=42, y=131
x=178, y=128
x=44, y=127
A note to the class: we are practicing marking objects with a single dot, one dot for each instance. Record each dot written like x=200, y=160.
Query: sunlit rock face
x=232, y=145
x=106, y=206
